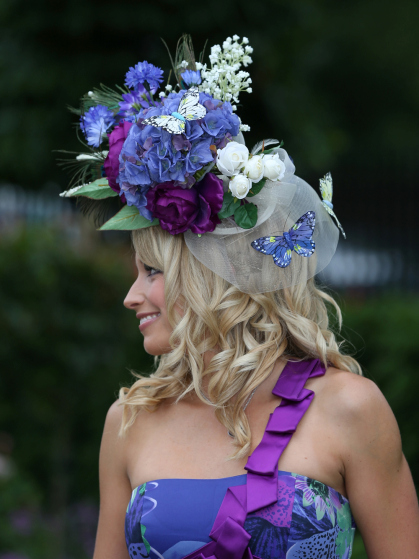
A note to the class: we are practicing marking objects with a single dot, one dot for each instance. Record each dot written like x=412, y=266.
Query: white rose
x=254, y=168
x=231, y=158
x=274, y=167
x=240, y=186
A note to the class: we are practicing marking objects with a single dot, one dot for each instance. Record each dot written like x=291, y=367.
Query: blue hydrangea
x=190, y=78
x=144, y=72
x=152, y=155
x=95, y=123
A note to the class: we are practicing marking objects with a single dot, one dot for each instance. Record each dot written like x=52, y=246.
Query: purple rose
x=179, y=209
x=116, y=140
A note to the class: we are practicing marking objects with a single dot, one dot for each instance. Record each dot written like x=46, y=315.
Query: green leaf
x=246, y=216
x=343, y=542
x=96, y=190
x=344, y=517
x=145, y=542
x=229, y=205
x=256, y=188
x=127, y=219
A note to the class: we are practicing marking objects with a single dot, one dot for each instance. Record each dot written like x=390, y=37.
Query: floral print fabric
x=171, y=518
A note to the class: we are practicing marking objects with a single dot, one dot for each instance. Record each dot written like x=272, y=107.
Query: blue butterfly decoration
x=298, y=238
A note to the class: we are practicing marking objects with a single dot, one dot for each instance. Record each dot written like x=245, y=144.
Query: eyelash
x=150, y=269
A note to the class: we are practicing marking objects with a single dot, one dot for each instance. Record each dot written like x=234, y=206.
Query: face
x=146, y=298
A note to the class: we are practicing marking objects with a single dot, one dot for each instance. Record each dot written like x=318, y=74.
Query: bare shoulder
x=114, y=415
x=360, y=412
x=377, y=479
x=354, y=397
x=112, y=443
x=115, y=488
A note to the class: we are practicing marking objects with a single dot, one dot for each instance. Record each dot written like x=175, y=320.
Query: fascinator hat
x=174, y=157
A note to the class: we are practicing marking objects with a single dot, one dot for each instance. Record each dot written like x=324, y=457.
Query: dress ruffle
x=230, y=539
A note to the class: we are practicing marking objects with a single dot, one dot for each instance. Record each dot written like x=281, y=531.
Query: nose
x=135, y=296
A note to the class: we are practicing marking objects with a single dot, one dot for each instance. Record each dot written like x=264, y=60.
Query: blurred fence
x=356, y=264
x=22, y=207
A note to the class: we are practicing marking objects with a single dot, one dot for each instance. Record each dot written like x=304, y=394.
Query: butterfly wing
x=189, y=106
x=302, y=232
x=169, y=123
x=277, y=247
x=332, y=213
x=326, y=188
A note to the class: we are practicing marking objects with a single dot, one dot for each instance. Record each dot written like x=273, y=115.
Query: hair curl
x=248, y=333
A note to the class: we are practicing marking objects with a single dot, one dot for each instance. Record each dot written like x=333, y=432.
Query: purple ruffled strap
x=230, y=539
x=262, y=465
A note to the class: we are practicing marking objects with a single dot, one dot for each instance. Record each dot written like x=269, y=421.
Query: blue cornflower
x=191, y=78
x=144, y=72
x=95, y=123
x=133, y=102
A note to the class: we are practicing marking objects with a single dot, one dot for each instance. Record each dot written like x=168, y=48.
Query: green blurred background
x=337, y=81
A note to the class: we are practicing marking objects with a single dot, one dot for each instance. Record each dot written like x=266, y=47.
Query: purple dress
x=263, y=514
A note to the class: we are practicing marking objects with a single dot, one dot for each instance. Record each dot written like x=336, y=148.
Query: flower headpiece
x=177, y=158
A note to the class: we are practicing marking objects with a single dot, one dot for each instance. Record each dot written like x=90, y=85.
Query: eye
x=152, y=271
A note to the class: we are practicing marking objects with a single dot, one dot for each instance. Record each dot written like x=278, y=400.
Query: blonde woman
x=189, y=428
x=256, y=437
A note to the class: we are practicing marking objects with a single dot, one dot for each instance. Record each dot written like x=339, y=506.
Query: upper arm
x=115, y=490
x=378, y=481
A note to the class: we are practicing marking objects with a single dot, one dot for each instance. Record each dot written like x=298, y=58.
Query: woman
x=348, y=438
x=255, y=437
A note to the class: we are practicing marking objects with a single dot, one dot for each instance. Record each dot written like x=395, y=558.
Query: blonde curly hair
x=247, y=332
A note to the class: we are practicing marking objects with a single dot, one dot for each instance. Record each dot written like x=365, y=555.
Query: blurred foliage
x=22, y=526
x=67, y=345
x=384, y=333
x=336, y=80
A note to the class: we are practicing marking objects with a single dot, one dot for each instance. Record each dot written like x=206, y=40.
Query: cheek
x=157, y=294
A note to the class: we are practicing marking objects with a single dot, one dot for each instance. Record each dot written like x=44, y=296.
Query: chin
x=152, y=348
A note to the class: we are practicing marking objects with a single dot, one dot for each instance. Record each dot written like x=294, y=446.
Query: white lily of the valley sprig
x=224, y=80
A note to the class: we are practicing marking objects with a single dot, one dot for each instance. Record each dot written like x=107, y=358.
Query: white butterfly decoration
x=326, y=189
x=189, y=109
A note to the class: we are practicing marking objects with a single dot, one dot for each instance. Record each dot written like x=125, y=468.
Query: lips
x=146, y=319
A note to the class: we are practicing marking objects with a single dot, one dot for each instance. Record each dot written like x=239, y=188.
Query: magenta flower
x=116, y=140
x=179, y=209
